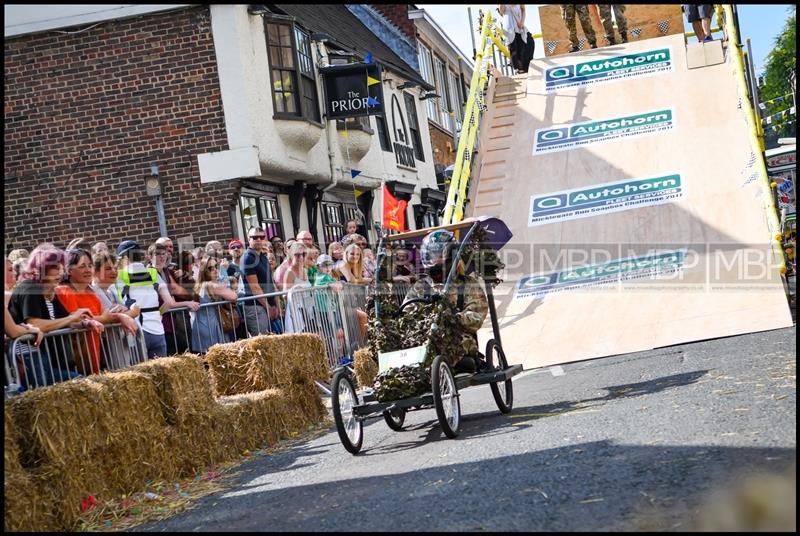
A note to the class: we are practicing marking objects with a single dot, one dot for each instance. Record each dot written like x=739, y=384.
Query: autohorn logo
x=562, y=138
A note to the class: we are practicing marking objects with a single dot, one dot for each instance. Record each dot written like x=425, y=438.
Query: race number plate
x=409, y=356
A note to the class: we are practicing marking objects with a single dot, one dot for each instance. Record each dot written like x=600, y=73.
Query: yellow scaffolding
x=491, y=38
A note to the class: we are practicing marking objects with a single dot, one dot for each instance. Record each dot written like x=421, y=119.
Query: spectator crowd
x=181, y=301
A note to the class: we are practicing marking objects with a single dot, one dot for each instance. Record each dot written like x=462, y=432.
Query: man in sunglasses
x=257, y=279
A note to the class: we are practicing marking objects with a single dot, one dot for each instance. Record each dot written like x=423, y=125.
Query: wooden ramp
x=630, y=186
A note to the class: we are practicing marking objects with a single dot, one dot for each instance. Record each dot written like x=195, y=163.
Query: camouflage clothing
x=467, y=297
x=568, y=12
x=608, y=24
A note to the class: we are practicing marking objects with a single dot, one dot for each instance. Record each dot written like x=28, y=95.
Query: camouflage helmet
x=436, y=247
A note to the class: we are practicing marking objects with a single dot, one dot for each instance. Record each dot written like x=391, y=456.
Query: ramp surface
x=629, y=183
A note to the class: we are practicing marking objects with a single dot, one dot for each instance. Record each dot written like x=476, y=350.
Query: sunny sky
x=761, y=23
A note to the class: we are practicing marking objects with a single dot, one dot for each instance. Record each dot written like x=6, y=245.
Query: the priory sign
x=353, y=90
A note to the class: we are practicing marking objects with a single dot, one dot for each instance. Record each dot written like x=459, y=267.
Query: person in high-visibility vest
x=143, y=286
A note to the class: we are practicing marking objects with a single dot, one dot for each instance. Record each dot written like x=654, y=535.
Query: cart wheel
x=343, y=398
x=503, y=395
x=445, y=397
x=395, y=419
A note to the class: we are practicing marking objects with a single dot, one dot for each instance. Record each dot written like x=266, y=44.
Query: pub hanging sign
x=353, y=90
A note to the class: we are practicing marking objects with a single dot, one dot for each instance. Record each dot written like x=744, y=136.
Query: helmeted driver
x=465, y=293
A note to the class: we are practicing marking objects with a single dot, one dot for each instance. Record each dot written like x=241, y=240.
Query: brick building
x=226, y=100
x=88, y=112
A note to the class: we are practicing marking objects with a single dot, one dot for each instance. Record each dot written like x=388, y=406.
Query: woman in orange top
x=75, y=294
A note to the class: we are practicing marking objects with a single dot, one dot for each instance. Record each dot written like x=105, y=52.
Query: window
x=456, y=104
x=262, y=212
x=332, y=222
x=294, y=88
x=383, y=133
x=413, y=126
x=426, y=69
x=443, y=103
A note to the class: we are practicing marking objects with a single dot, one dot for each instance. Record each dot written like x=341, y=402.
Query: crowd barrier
x=337, y=314
x=68, y=353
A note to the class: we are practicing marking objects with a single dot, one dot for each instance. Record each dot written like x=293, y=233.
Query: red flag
x=394, y=211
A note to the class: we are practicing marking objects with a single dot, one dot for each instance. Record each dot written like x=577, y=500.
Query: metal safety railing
x=69, y=353
x=729, y=24
x=222, y=321
x=337, y=313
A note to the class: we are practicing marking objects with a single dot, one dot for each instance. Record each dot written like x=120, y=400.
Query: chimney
x=397, y=14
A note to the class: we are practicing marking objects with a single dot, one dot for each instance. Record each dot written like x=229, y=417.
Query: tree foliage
x=780, y=64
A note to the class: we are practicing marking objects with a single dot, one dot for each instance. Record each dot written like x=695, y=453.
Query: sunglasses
x=258, y=237
x=237, y=246
x=211, y=269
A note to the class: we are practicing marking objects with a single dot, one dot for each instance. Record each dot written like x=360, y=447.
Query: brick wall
x=87, y=113
x=397, y=14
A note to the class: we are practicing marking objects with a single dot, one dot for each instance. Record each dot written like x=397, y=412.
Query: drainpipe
x=322, y=59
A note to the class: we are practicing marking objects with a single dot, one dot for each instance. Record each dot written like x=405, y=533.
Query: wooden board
x=645, y=21
x=728, y=284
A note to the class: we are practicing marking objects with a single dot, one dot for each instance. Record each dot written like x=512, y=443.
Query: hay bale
x=253, y=420
x=135, y=449
x=182, y=386
x=365, y=367
x=265, y=362
x=24, y=509
x=62, y=424
x=194, y=437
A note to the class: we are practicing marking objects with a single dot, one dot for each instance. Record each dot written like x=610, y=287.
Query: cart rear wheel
x=343, y=398
x=445, y=397
x=395, y=419
x=503, y=394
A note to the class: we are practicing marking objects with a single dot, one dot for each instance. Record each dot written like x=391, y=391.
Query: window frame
x=304, y=93
x=268, y=211
x=383, y=133
x=445, y=120
x=413, y=126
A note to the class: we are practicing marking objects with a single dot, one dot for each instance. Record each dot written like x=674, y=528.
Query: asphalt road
x=620, y=443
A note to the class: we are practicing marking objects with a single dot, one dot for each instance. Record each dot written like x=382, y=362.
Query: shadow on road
x=492, y=423
x=586, y=486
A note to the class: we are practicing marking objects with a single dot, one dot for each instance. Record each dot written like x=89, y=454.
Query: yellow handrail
x=755, y=145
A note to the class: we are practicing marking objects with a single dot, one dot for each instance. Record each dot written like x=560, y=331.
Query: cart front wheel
x=343, y=398
x=445, y=397
x=395, y=419
x=503, y=394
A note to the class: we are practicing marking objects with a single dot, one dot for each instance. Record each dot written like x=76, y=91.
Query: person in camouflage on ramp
x=568, y=12
x=465, y=293
x=608, y=24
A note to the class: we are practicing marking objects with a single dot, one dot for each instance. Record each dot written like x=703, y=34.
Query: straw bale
x=255, y=419
x=182, y=386
x=251, y=419
x=265, y=362
x=135, y=449
x=62, y=424
x=24, y=510
x=365, y=367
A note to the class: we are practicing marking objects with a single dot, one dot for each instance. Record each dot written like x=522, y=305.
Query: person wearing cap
x=323, y=275
x=235, y=250
x=465, y=294
x=143, y=286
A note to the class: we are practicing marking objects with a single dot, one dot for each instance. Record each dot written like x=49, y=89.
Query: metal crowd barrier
x=70, y=353
x=338, y=317
x=197, y=331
